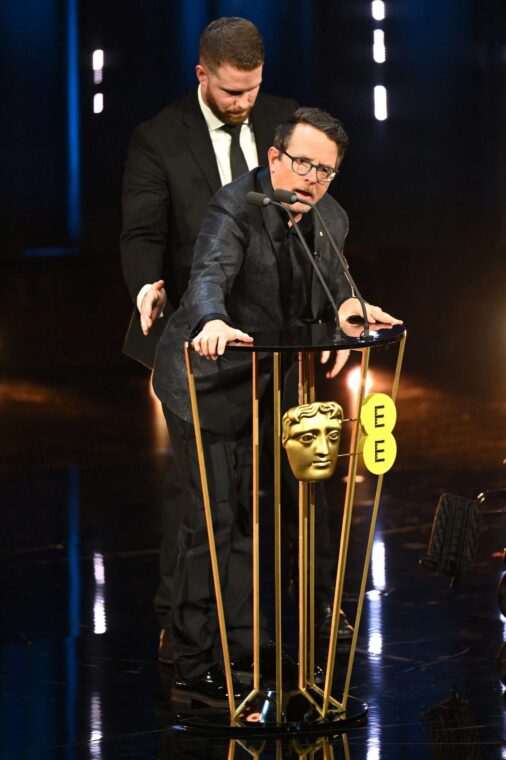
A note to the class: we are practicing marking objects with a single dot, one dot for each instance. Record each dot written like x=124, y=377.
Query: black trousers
x=179, y=499
x=229, y=466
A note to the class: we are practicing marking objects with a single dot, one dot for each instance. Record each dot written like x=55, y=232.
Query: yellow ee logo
x=377, y=418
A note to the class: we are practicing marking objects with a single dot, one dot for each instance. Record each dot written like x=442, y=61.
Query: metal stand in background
x=304, y=707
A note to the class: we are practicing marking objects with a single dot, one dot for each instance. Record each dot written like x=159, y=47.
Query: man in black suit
x=176, y=162
x=249, y=273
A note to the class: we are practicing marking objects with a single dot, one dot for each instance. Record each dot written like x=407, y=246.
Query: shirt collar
x=212, y=121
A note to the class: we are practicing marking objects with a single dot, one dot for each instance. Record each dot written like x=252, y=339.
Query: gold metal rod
x=312, y=512
x=210, y=529
x=253, y=693
x=231, y=750
x=370, y=541
x=312, y=700
x=333, y=701
x=256, y=523
x=365, y=573
x=400, y=358
x=347, y=755
x=277, y=534
x=345, y=534
x=311, y=581
x=303, y=498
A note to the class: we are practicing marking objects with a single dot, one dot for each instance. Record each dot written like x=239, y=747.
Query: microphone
x=286, y=196
x=260, y=199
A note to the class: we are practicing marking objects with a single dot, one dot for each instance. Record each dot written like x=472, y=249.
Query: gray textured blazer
x=236, y=274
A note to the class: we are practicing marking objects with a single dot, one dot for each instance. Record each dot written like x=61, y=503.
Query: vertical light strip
x=73, y=130
x=378, y=10
x=98, y=66
x=380, y=102
x=99, y=614
x=379, y=55
x=98, y=102
x=378, y=48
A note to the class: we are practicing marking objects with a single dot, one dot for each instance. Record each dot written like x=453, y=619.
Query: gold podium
x=305, y=708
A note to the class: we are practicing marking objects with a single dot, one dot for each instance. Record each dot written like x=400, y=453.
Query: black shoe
x=210, y=689
x=242, y=668
x=166, y=647
x=323, y=622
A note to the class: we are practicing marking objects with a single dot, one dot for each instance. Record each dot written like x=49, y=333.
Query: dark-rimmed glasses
x=303, y=166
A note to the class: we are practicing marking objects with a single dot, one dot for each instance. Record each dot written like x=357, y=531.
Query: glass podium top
x=321, y=337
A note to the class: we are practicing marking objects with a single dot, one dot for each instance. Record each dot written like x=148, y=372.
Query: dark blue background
x=425, y=190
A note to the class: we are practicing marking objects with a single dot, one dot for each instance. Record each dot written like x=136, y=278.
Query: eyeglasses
x=303, y=166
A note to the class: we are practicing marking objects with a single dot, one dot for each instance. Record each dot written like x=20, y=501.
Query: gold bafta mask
x=311, y=434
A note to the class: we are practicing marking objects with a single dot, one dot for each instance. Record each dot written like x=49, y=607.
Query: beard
x=230, y=116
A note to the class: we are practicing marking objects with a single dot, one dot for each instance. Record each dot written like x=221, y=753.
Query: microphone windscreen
x=257, y=199
x=285, y=196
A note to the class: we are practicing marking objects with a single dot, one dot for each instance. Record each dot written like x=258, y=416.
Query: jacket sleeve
x=217, y=259
x=145, y=204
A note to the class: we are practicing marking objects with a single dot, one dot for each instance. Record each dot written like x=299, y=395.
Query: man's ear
x=200, y=72
x=272, y=156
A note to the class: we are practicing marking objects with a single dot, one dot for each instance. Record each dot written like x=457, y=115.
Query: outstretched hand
x=214, y=336
x=342, y=357
x=152, y=305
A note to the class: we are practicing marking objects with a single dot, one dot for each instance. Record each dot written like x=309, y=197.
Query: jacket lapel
x=196, y=136
x=275, y=228
x=323, y=259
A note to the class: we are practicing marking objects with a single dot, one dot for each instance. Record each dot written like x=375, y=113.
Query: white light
x=380, y=103
x=98, y=60
x=98, y=569
x=378, y=10
x=99, y=617
x=375, y=644
x=95, y=747
x=98, y=103
x=99, y=614
x=353, y=381
x=378, y=49
x=378, y=565
x=98, y=76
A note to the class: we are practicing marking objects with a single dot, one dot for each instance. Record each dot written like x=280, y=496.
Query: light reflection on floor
x=81, y=477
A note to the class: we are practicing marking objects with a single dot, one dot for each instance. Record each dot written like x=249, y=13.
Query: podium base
x=259, y=719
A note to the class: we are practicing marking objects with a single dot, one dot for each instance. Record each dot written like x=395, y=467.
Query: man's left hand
x=352, y=308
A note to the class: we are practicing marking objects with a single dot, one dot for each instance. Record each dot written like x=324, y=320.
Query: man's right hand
x=152, y=305
x=214, y=336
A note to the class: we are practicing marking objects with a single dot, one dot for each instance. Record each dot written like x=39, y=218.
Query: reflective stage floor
x=81, y=474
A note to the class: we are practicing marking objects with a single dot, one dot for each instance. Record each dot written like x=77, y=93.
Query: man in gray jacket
x=249, y=273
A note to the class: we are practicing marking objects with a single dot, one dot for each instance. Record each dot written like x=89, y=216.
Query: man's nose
x=243, y=101
x=311, y=177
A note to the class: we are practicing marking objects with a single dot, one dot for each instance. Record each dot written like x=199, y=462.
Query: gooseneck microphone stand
x=260, y=199
x=286, y=196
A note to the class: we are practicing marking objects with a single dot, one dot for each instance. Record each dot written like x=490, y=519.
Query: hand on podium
x=352, y=308
x=214, y=336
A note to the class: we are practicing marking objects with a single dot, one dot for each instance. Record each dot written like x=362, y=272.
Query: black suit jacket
x=236, y=274
x=170, y=176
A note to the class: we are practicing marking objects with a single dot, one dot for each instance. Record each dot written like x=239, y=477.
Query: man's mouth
x=304, y=194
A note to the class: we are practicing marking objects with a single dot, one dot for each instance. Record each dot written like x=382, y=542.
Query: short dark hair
x=232, y=40
x=316, y=118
